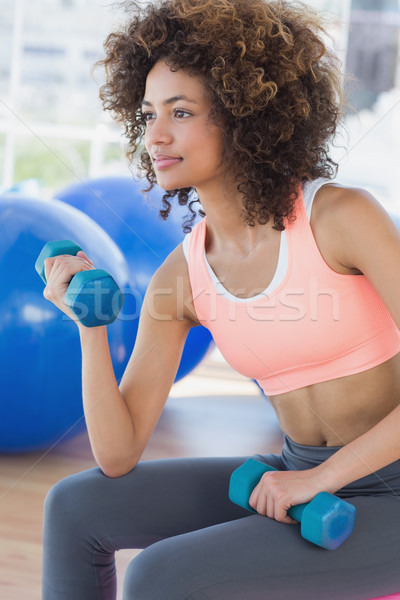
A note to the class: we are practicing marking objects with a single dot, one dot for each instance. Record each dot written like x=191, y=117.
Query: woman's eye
x=181, y=114
x=147, y=116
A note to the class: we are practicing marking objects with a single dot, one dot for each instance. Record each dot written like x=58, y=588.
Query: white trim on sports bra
x=309, y=191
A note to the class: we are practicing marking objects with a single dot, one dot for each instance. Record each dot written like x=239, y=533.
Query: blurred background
x=53, y=130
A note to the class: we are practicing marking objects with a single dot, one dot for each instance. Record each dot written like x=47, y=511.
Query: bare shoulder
x=349, y=203
x=343, y=219
x=174, y=289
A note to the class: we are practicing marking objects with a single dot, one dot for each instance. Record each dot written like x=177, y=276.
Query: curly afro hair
x=275, y=91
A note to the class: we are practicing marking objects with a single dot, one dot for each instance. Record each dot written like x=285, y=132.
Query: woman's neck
x=226, y=229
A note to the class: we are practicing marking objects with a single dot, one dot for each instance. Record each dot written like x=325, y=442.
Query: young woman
x=298, y=280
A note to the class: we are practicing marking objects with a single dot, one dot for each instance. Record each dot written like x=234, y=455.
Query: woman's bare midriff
x=333, y=413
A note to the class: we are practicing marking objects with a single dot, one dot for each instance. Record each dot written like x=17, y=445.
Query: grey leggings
x=200, y=546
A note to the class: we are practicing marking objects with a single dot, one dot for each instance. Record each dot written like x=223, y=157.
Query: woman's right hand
x=59, y=270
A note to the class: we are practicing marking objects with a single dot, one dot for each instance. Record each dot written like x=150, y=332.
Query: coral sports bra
x=310, y=325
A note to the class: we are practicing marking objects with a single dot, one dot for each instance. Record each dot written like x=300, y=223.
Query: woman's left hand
x=277, y=491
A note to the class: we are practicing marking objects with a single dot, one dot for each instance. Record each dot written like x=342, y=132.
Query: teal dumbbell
x=93, y=296
x=326, y=521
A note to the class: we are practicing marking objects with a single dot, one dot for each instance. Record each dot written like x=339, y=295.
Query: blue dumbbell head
x=326, y=521
x=93, y=296
x=243, y=481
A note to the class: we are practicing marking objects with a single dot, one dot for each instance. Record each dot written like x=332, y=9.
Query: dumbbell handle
x=296, y=512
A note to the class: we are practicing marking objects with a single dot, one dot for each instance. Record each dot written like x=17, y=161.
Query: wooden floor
x=211, y=412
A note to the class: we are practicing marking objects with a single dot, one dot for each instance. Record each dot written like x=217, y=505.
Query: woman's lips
x=163, y=162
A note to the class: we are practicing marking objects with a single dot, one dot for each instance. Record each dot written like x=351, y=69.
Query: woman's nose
x=158, y=132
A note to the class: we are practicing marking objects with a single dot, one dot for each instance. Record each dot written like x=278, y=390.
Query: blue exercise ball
x=117, y=204
x=40, y=356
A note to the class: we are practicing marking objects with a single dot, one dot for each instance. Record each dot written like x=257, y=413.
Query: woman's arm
x=364, y=238
x=368, y=453
x=108, y=420
x=368, y=240
x=120, y=419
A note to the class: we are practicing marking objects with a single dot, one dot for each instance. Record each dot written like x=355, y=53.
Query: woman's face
x=184, y=146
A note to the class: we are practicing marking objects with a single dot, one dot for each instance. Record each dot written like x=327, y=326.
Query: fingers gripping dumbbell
x=326, y=521
x=93, y=296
